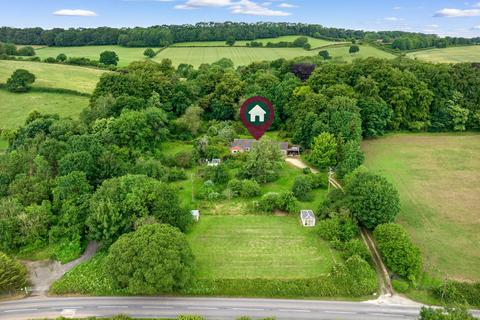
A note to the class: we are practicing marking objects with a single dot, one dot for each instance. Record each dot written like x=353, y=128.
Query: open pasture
x=448, y=55
x=438, y=177
x=244, y=56
x=54, y=75
x=125, y=55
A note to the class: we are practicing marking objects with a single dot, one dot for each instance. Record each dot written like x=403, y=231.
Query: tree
x=324, y=54
x=372, y=199
x=61, y=57
x=262, y=162
x=302, y=187
x=20, y=81
x=149, y=53
x=351, y=157
x=13, y=275
x=300, y=42
x=26, y=51
x=354, y=49
x=324, y=151
x=154, y=259
x=109, y=58
x=398, y=252
x=230, y=41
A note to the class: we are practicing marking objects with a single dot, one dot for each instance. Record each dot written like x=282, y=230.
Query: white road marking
x=203, y=308
x=111, y=307
x=156, y=307
x=341, y=312
x=294, y=310
x=19, y=310
x=248, y=309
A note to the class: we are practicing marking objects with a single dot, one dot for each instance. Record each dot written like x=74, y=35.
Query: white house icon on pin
x=257, y=111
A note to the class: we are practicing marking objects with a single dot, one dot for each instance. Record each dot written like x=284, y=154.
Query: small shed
x=308, y=218
x=213, y=162
x=195, y=214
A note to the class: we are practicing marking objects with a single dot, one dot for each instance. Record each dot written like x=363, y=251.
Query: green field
x=241, y=247
x=15, y=107
x=315, y=43
x=244, y=56
x=438, y=177
x=54, y=75
x=448, y=55
x=125, y=55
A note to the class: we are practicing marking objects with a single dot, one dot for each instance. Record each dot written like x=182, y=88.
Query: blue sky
x=443, y=17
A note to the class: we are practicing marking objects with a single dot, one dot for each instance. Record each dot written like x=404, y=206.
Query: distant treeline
x=159, y=36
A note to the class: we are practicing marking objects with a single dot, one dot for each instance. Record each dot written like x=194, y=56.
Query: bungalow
x=242, y=145
x=308, y=218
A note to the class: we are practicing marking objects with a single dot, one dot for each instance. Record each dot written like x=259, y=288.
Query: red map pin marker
x=257, y=115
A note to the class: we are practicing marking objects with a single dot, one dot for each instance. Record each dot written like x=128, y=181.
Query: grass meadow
x=448, y=55
x=243, y=55
x=125, y=55
x=438, y=177
x=54, y=75
x=315, y=43
x=15, y=107
x=258, y=246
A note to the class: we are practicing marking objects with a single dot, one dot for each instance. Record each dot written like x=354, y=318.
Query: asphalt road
x=211, y=308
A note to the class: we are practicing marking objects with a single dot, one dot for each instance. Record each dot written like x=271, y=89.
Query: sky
x=442, y=17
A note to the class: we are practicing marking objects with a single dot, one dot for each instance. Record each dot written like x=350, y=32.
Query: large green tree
x=154, y=259
x=20, y=81
x=109, y=58
x=324, y=151
x=372, y=199
x=263, y=162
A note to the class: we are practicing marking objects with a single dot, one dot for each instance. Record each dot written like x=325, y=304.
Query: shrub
x=339, y=227
x=400, y=285
x=154, y=259
x=372, y=199
x=457, y=313
x=61, y=57
x=319, y=181
x=235, y=187
x=250, y=188
x=217, y=174
x=149, y=53
x=355, y=247
x=20, y=81
x=284, y=201
x=109, y=58
x=454, y=292
x=268, y=202
x=50, y=60
x=287, y=202
x=13, y=275
x=302, y=186
x=184, y=159
x=399, y=253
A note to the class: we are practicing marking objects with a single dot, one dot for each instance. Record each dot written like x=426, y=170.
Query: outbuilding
x=195, y=214
x=308, y=218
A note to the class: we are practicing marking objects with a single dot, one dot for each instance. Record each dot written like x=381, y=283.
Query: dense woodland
x=101, y=177
x=164, y=35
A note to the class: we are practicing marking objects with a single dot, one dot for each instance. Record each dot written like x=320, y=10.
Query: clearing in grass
x=48, y=75
x=438, y=177
x=448, y=55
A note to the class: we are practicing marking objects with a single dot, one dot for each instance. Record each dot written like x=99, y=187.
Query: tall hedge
x=399, y=253
x=13, y=274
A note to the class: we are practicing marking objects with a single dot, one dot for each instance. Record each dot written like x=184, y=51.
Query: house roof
x=247, y=143
x=306, y=214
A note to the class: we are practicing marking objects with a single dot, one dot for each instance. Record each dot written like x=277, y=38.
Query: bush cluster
x=400, y=255
x=454, y=293
x=284, y=201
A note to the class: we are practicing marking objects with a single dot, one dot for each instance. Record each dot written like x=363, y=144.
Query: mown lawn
x=448, y=55
x=54, y=75
x=438, y=177
x=253, y=246
x=125, y=55
x=15, y=107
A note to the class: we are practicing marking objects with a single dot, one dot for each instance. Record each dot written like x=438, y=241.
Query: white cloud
x=476, y=27
x=75, y=12
x=268, y=3
x=392, y=19
x=237, y=7
x=287, y=5
x=397, y=8
x=477, y=5
x=433, y=25
x=454, y=13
